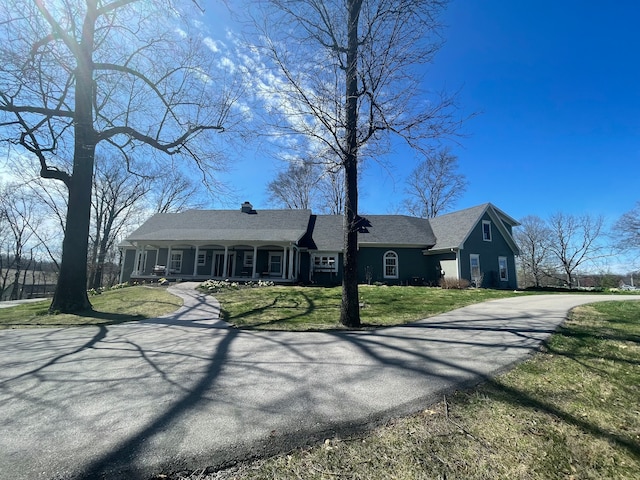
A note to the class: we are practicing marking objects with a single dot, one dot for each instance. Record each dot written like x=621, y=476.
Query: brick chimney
x=246, y=207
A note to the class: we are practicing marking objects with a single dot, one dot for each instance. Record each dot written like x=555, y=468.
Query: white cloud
x=214, y=45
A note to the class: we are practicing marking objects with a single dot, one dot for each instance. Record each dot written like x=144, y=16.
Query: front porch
x=152, y=279
x=199, y=262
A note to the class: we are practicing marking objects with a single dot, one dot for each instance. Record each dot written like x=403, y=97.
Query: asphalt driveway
x=185, y=391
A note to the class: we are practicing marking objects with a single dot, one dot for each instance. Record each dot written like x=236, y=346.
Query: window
x=486, y=230
x=275, y=263
x=391, y=265
x=476, y=276
x=248, y=260
x=502, y=268
x=325, y=263
x=202, y=258
x=175, y=265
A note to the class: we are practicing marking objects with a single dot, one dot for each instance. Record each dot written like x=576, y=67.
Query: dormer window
x=486, y=230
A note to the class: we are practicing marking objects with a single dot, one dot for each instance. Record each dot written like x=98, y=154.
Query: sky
x=555, y=89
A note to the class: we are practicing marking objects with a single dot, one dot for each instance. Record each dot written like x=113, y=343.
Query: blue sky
x=556, y=86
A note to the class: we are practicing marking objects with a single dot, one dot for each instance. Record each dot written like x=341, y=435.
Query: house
x=297, y=246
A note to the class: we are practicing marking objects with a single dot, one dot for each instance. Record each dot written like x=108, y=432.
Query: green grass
x=111, y=307
x=318, y=308
x=572, y=412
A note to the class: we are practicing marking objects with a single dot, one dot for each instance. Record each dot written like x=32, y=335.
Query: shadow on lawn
x=584, y=347
x=372, y=346
x=301, y=310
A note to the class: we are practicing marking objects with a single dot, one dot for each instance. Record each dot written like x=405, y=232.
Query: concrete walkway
x=184, y=391
x=13, y=303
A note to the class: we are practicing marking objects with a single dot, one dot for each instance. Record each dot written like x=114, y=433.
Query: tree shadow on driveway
x=184, y=391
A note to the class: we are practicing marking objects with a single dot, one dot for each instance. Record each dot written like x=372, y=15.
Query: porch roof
x=224, y=226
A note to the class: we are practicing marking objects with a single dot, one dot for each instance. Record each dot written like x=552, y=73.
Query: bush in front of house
x=212, y=286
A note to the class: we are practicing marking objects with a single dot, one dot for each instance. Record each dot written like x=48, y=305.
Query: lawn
x=318, y=308
x=110, y=307
x=571, y=412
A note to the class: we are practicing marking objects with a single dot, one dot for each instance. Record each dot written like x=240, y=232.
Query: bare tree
x=534, y=237
x=125, y=75
x=18, y=213
x=627, y=229
x=115, y=193
x=173, y=191
x=347, y=79
x=331, y=192
x=574, y=241
x=435, y=185
x=296, y=186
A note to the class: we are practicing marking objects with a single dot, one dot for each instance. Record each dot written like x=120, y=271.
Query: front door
x=218, y=265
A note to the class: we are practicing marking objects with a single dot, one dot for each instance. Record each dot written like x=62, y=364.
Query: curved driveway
x=184, y=391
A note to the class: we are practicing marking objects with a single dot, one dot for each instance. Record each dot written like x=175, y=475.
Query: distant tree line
x=573, y=250
x=32, y=222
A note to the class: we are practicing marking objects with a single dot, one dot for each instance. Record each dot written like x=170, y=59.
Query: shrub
x=449, y=283
x=212, y=286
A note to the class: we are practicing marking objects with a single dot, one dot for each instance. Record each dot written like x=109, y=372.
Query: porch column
x=142, y=260
x=167, y=267
x=291, y=262
x=123, y=256
x=255, y=261
x=136, y=261
x=284, y=263
x=195, y=261
x=226, y=261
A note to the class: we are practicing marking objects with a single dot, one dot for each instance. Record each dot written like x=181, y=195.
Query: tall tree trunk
x=99, y=265
x=16, y=277
x=71, y=290
x=350, y=308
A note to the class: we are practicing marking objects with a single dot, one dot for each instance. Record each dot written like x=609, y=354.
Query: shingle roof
x=225, y=225
x=398, y=230
x=452, y=229
x=321, y=232
x=327, y=232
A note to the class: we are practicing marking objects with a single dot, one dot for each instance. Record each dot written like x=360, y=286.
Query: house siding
x=489, y=251
x=412, y=265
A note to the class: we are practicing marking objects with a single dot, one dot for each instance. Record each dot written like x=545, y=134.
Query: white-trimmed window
x=202, y=259
x=486, y=230
x=175, y=265
x=247, y=261
x=275, y=263
x=390, y=265
x=325, y=263
x=474, y=263
x=502, y=269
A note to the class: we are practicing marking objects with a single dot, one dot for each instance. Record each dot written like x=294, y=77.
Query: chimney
x=246, y=207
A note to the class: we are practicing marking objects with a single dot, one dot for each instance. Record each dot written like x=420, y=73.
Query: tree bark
x=71, y=290
x=350, y=308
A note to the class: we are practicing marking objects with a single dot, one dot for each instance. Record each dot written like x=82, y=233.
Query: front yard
x=318, y=308
x=110, y=307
